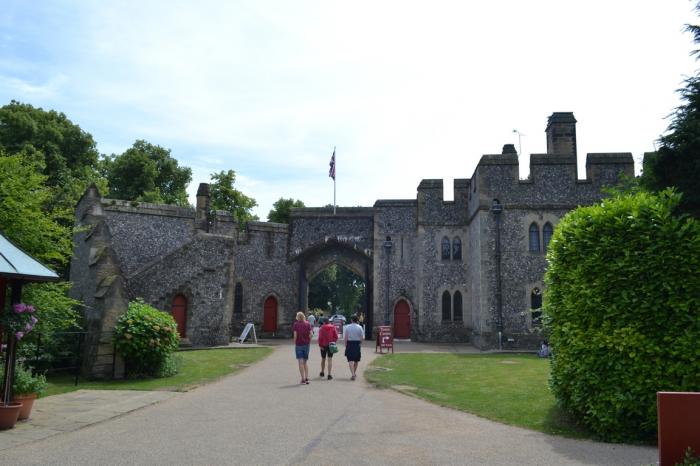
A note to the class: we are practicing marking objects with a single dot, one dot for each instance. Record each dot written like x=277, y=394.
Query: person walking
x=327, y=334
x=354, y=334
x=312, y=319
x=302, y=341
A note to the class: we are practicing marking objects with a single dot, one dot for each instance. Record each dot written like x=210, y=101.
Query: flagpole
x=334, y=183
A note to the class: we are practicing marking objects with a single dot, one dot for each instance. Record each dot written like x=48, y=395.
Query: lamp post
x=497, y=209
x=387, y=248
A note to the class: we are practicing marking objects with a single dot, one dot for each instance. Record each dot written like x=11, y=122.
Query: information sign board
x=244, y=334
x=385, y=339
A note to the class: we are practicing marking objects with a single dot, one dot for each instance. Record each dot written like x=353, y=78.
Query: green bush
x=26, y=382
x=146, y=337
x=623, y=296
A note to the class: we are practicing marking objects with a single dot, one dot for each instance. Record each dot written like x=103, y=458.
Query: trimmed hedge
x=146, y=338
x=623, y=304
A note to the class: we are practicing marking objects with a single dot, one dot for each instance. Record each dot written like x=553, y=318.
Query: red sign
x=677, y=423
x=385, y=340
x=338, y=326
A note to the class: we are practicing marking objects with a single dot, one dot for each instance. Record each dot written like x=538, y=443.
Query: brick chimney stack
x=561, y=134
x=201, y=220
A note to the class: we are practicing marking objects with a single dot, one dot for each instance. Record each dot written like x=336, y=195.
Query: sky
x=404, y=90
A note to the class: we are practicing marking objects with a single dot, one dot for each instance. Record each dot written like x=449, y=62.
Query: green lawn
x=196, y=368
x=509, y=388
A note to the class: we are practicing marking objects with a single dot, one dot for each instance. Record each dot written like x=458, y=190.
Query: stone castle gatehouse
x=468, y=270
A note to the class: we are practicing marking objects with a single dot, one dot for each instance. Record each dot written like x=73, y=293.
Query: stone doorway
x=270, y=315
x=315, y=260
x=402, y=320
x=179, y=312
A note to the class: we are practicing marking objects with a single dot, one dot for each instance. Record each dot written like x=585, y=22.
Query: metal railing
x=56, y=353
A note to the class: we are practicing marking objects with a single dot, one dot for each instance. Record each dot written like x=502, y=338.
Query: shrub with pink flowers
x=18, y=320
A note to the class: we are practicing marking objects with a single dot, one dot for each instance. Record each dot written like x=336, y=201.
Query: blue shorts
x=302, y=351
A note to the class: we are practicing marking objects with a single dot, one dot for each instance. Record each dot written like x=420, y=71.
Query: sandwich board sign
x=244, y=334
x=385, y=340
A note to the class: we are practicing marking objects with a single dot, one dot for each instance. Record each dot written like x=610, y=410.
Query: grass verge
x=508, y=388
x=194, y=368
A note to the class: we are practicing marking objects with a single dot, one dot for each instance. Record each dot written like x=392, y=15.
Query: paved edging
x=72, y=411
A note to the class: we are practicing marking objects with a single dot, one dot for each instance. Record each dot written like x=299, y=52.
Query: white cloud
x=405, y=90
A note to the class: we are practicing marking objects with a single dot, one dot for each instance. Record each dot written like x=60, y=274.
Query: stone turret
x=561, y=134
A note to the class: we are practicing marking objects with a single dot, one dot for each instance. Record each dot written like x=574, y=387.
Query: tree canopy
x=28, y=221
x=57, y=145
x=24, y=215
x=146, y=172
x=224, y=196
x=677, y=161
x=340, y=287
x=282, y=208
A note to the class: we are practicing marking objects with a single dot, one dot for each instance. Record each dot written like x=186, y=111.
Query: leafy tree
x=25, y=217
x=27, y=221
x=677, y=162
x=56, y=148
x=623, y=306
x=224, y=196
x=351, y=289
x=49, y=138
x=147, y=173
x=282, y=209
x=322, y=291
x=339, y=286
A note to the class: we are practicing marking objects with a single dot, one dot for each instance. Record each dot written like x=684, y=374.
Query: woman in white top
x=354, y=334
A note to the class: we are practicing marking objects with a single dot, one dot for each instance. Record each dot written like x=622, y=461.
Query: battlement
x=433, y=209
x=553, y=176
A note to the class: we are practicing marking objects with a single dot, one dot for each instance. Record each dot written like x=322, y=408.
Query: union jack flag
x=331, y=172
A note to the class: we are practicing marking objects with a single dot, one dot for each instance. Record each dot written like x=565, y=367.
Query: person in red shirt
x=302, y=341
x=327, y=334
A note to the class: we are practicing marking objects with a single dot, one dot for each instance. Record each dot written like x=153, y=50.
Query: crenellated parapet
x=553, y=179
x=433, y=209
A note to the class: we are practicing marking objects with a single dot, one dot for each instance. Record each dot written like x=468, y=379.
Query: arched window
x=547, y=231
x=457, y=249
x=534, y=238
x=446, y=250
x=238, y=299
x=446, y=306
x=536, y=306
x=536, y=298
x=457, y=306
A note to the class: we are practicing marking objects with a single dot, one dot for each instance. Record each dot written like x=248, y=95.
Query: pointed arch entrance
x=270, y=314
x=320, y=256
x=402, y=319
x=179, y=311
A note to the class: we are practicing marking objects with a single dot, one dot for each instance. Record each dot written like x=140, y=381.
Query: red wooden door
x=180, y=314
x=402, y=320
x=270, y=315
